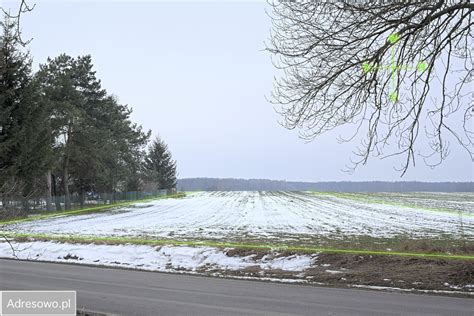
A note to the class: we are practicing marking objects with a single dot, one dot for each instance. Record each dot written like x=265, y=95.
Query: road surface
x=130, y=292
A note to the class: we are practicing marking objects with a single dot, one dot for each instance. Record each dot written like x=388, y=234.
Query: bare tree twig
x=322, y=48
x=23, y=8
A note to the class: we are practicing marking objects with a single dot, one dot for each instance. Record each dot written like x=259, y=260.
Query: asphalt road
x=129, y=292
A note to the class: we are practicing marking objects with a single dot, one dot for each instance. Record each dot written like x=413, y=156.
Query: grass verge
x=218, y=244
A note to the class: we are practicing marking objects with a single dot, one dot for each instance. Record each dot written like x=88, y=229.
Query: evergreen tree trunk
x=81, y=196
x=25, y=204
x=67, y=198
x=67, y=201
x=48, y=191
x=57, y=201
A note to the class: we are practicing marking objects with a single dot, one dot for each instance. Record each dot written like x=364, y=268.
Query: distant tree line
x=62, y=134
x=215, y=184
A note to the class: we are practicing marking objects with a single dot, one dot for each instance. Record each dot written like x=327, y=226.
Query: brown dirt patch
x=374, y=270
x=393, y=271
x=240, y=252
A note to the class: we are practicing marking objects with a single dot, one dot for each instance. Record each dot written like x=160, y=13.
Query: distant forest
x=216, y=184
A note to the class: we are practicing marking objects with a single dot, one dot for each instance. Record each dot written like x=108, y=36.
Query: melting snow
x=165, y=258
x=375, y=287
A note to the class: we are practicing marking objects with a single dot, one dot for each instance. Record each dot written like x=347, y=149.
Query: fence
x=77, y=200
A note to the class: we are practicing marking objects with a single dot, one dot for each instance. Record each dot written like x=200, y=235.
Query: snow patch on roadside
x=165, y=258
x=388, y=288
x=280, y=280
x=291, y=263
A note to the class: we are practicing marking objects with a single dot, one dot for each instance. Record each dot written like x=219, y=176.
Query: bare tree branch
x=14, y=250
x=24, y=7
x=378, y=67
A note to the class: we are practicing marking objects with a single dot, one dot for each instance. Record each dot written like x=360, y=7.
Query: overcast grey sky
x=196, y=74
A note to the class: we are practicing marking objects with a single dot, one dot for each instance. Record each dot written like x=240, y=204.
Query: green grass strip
x=87, y=210
x=209, y=243
x=192, y=192
x=377, y=200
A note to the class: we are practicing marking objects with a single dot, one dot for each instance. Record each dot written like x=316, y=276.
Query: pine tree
x=159, y=167
x=97, y=145
x=15, y=71
x=24, y=141
x=61, y=86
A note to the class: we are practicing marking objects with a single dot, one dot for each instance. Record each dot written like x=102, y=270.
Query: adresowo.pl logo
x=58, y=303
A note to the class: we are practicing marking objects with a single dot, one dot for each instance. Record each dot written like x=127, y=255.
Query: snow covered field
x=267, y=215
x=454, y=201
